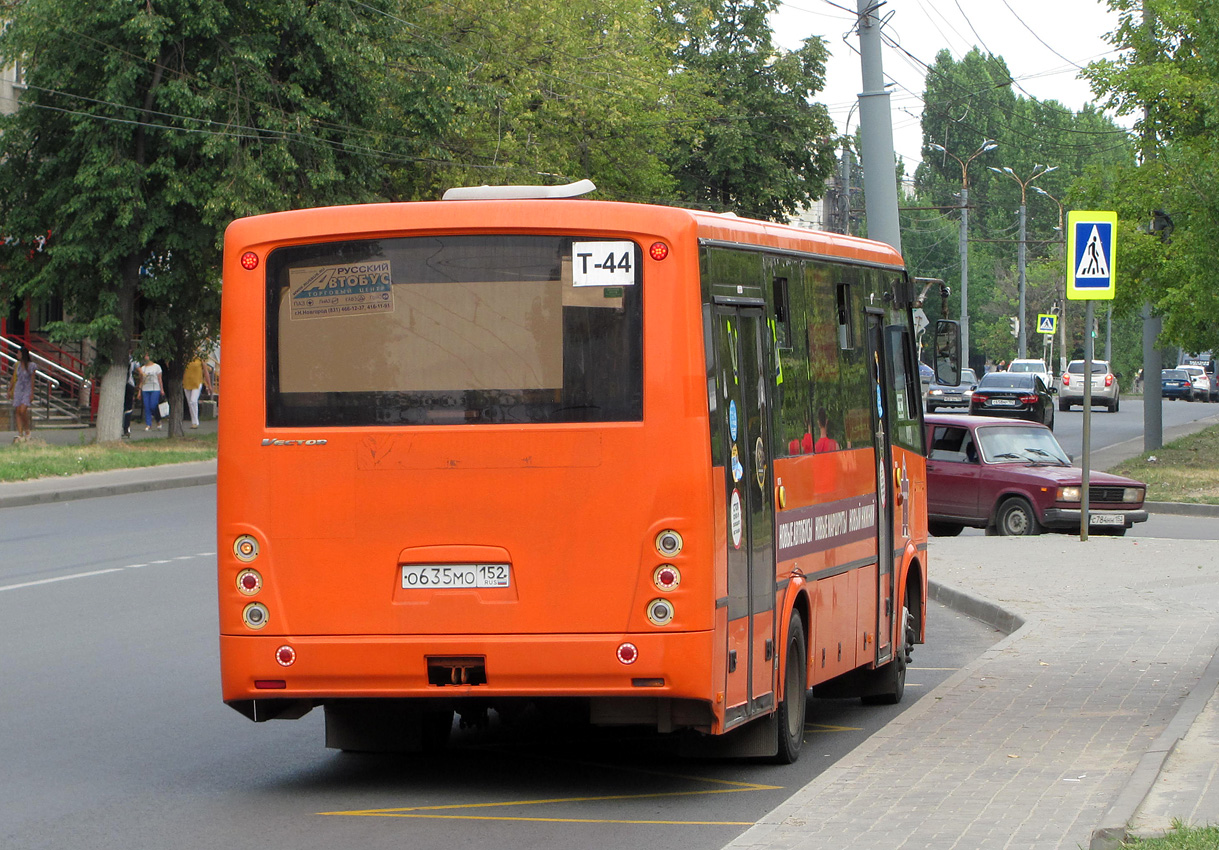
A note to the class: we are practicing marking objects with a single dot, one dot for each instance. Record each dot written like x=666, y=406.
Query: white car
x=1037, y=367
x=1105, y=390
x=1204, y=384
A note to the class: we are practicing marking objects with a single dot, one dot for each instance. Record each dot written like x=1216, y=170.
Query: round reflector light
x=627, y=653
x=660, y=612
x=668, y=543
x=658, y=251
x=255, y=615
x=285, y=655
x=249, y=582
x=245, y=548
x=667, y=577
x=249, y=261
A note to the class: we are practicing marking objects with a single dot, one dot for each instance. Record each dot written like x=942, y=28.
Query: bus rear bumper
x=321, y=668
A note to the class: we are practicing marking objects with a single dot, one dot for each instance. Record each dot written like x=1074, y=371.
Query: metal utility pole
x=963, y=239
x=1153, y=404
x=876, y=125
x=1038, y=171
x=1062, y=315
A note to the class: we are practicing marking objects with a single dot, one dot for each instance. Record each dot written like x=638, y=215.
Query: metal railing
x=81, y=385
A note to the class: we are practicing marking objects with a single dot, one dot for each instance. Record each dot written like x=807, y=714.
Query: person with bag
x=193, y=380
x=21, y=393
x=151, y=390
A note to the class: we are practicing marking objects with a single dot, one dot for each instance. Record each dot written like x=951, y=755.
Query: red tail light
x=1109, y=380
x=1066, y=379
x=1029, y=399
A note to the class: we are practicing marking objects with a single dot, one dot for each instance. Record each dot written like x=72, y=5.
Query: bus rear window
x=443, y=330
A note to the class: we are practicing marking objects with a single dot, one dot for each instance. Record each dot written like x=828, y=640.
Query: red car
x=1012, y=477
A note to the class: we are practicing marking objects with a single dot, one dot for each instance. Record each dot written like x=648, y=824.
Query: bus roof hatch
x=513, y=193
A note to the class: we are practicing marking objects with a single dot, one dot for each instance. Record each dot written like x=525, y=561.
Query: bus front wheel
x=790, y=725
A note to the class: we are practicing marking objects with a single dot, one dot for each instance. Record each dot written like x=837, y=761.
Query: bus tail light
x=249, y=582
x=666, y=577
x=255, y=615
x=658, y=251
x=285, y=655
x=249, y=261
x=245, y=548
x=660, y=612
x=628, y=653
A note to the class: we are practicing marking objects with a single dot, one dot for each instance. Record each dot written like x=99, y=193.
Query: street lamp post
x=987, y=145
x=1062, y=313
x=1038, y=171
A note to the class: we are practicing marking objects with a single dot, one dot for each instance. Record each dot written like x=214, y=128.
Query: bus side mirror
x=947, y=352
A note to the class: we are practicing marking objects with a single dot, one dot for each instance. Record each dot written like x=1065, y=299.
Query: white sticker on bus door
x=735, y=519
x=603, y=264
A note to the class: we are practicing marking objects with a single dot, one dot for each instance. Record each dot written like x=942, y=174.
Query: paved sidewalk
x=1055, y=736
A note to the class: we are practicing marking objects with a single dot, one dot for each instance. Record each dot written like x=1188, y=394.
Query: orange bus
x=665, y=465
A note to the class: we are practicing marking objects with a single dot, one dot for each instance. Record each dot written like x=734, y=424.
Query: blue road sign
x=1091, y=239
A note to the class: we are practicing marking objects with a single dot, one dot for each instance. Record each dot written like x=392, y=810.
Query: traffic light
x=1015, y=325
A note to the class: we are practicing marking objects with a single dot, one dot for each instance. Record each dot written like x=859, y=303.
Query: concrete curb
x=1113, y=829
x=980, y=609
x=1182, y=509
x=42, y=491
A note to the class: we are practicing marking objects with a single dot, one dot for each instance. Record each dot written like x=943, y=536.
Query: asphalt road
x=114, y=735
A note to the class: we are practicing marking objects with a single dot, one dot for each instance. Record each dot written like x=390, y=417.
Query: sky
x=1043, y=42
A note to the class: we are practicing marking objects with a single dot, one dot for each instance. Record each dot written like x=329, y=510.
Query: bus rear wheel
x=894, y=672
x=790, y=725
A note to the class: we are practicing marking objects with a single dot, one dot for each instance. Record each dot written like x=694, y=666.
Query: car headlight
x=1132, y=495
x=1068, y=494
x=935, y=392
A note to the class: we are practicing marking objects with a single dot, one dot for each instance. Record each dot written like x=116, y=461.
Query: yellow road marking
x=436, y=812
x=825, y=727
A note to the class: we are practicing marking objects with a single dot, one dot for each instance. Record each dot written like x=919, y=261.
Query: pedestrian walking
x=21, y=393
x=151, y=389
x=194, y=379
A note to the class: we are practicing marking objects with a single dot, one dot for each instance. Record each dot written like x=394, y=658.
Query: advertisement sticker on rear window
x=603, y=264
x=357, y=289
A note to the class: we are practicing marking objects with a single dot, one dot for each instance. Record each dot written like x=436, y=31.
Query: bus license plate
x=449, y=576
x=1108, y=519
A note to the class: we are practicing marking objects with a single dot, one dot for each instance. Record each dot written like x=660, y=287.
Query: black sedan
x=1016, y=395
x=1175, y=384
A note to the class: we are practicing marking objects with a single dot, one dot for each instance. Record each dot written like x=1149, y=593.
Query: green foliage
x=753, y=141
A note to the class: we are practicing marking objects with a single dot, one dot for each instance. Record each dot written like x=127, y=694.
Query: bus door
x=743, y=408
x=882, y=422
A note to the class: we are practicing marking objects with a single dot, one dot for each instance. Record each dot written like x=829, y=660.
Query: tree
x=755, y=143
x=559, y=92
x=146, y=128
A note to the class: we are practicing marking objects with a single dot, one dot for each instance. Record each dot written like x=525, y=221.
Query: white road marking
x=92, y=573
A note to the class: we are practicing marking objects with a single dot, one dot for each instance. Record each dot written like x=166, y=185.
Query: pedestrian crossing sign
x=1047, y=323
x=1090, y=255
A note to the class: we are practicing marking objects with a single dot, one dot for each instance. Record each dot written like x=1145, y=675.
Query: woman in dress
x=21, y=391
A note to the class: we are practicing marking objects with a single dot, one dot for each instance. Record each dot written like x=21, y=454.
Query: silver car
x=1105, y=390
x=941, y=395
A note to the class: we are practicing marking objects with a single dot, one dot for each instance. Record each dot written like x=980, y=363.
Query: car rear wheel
x=944, y=529
x=1016, y=518
x=1063, y=406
